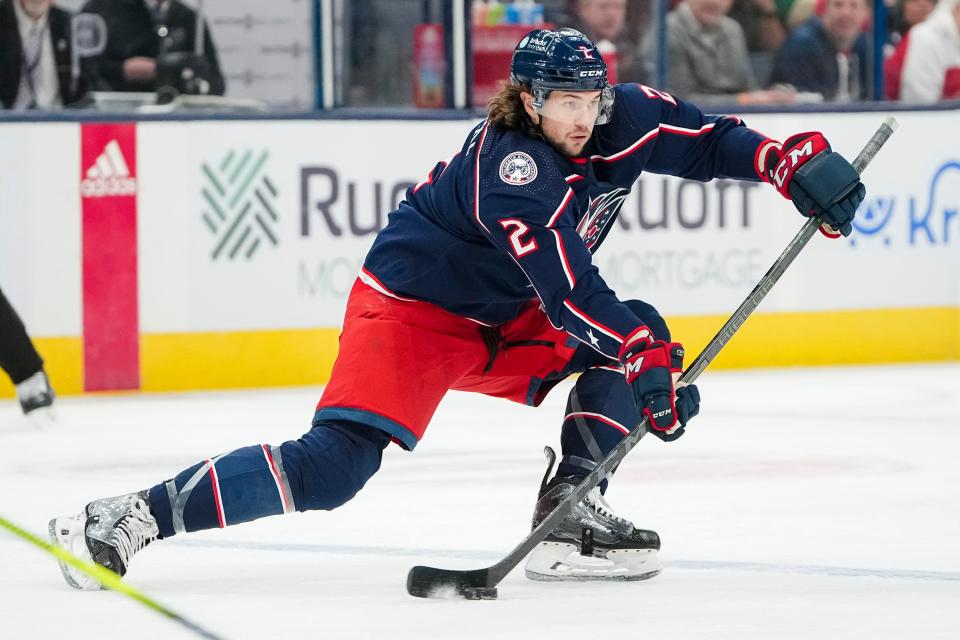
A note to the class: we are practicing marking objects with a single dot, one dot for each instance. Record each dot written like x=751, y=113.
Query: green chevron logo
x=240, y=204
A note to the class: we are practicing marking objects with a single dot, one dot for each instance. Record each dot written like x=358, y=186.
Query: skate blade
x=42, y=418
x=560, y=561
x=68, y=533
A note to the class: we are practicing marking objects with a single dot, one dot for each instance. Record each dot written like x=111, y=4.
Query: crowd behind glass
x=716, y=52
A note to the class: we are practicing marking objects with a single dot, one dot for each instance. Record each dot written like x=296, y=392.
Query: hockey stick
x=481, y=584
x=107, y=578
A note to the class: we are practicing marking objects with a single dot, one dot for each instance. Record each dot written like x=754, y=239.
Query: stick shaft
x=498, y=571
x=807, y=231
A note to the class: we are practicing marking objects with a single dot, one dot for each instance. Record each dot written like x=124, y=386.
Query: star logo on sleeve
x=593, y=339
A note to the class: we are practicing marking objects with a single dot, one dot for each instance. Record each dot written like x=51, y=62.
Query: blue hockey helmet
x=562, y=60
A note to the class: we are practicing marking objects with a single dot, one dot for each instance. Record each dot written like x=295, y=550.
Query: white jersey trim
x=476, y=180
x=645, y=138
x=563, y=205
x=571, y=281
x=371, y=281
x=599, y=417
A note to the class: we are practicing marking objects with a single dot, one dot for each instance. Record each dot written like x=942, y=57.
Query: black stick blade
x=428, y=582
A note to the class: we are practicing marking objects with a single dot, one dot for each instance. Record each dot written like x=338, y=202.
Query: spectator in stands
x=910, y=13
x=707, y=56
x=559, y=13
x=827, y=54
x=35, y=48
x=761, y=24
x=796, y=12
x=931, y=69
x=641, y=23
x=605, y=22
x=151, y=45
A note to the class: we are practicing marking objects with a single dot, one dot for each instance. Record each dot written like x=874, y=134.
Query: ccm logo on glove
x=819, y=181
x=650, y=366
x=796, y=157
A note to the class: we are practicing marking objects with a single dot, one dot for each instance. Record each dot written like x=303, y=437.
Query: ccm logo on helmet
x=593, y=73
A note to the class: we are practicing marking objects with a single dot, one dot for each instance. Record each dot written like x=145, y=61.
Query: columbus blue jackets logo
x=602, y=211
x=518, y=168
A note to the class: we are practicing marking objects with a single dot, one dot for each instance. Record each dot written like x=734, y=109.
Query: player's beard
x=565, y=146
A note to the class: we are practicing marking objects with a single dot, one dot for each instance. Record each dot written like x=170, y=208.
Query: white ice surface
x=788, y=511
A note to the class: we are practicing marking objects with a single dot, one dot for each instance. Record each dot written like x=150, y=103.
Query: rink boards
x=214, y=254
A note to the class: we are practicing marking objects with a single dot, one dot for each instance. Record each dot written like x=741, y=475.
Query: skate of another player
x=788, y=521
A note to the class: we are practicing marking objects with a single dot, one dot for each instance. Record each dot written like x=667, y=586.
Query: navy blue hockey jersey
x=508, y=219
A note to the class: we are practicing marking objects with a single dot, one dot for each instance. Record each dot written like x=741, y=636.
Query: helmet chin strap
x=538, y=130
x=537, y=124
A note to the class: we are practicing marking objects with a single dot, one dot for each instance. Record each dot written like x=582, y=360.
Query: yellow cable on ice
x=108, y=579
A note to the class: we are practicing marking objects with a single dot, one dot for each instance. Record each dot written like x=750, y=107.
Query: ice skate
x=593, y=542
x=107, y=532
x=36, y=399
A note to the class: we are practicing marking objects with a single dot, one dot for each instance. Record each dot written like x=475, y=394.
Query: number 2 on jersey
x=520, y=248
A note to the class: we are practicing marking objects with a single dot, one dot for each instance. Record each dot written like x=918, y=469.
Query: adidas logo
x=109, y=175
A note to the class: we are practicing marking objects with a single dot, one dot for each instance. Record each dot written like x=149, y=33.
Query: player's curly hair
x=505, y=110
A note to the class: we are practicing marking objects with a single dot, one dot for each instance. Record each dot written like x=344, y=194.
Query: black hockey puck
x=479, y=593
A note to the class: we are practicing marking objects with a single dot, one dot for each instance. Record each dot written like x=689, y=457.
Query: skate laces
x=135, y=530
x=599, y=504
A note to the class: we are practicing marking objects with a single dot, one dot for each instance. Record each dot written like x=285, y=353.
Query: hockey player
x=20, y=360
x=482, y=281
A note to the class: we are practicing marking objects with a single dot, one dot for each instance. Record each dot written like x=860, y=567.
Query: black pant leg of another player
x=18, y=357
